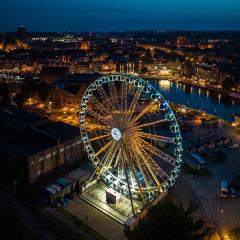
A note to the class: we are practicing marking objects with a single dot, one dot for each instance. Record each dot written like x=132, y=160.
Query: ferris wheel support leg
x=131, y=164
x=127, y=179
x=129, y=190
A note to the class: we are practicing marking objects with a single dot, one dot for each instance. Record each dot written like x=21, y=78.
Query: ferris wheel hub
x=116, y=134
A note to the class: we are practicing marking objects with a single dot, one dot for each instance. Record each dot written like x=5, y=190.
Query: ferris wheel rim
x=91, y=153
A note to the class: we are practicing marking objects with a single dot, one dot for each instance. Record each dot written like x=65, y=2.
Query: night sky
x=119, y=15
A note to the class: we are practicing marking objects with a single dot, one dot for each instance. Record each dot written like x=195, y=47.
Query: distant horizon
x=122, y=31
x=125, y=15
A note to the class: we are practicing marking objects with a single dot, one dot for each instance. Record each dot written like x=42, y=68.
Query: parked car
x=224, y=188
x=211, y=157
x=232, y=145
x=233, y=192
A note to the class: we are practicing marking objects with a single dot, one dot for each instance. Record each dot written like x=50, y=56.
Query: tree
x=5, y=93
x=228, y=83
x=188, y=69
x=19, y=99
x=145, y=70
x=30, y=84
x=147, y=58
x=42, y=91
x=167, y=221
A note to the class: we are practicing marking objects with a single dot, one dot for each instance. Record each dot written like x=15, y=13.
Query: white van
x=224, y=188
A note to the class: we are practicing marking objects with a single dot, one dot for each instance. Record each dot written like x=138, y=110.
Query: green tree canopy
x=5, y=93
x=42, y=90
x=19, y=99
x=228, y=83
x=168, y=221
x=145, y=70
x=188, y=69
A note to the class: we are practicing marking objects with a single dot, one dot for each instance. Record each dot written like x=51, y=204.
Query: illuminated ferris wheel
x=131, y=135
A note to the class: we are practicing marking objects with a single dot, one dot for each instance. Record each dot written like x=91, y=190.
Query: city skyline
x=61, y=16
x=120, y=120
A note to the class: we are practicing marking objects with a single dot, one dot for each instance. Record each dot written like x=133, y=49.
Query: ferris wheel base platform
x=104, y=208
x=120, y=212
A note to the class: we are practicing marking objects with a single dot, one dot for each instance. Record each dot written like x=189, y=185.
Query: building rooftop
x=20, y=118
x=51, y=70
x=60, y=130
x=79, y=78
x=29, y=134
x=73, y=83
x=30, y=142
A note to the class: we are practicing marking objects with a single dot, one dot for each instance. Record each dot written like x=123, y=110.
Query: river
x=198, y=98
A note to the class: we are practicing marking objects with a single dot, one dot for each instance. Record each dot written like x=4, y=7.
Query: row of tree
x=20, y=94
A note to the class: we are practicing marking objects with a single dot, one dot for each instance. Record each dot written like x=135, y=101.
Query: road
x=32, y=222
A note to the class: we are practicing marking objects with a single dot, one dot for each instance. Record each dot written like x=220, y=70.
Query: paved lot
x=222, y=213
x=103, y=224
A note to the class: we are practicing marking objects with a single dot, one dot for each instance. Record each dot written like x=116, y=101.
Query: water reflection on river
x=194, y=97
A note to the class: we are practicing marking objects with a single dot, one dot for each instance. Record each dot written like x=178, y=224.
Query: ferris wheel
x=131, y=136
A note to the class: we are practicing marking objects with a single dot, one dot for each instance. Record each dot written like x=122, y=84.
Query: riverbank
x=191, y=83
x=194, y=97
x=210, y=88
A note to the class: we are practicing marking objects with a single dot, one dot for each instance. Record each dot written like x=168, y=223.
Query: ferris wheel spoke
x=101, y=165
x=100, y=105
x=116, y=163
x=157, y=152
x=141, y=167
x=99, y=117
x=124, y=97
x=113, y=94
x=122, y=103
x=134, y=102
x=112, y=155
x=93, y=127
x=143, y=112
x=102, y=93
x=125, y=166
x=100, y=137
x=157, y=169
x=150, y=124
x=104, y=97
x=131, y=165
x=104, y=147
x=149, y=165
x=155, y=137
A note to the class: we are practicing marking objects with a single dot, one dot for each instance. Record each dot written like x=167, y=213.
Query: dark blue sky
x=119, y=15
